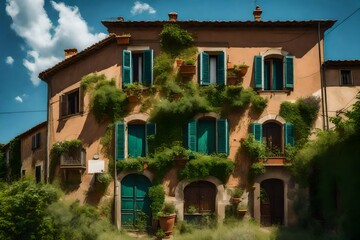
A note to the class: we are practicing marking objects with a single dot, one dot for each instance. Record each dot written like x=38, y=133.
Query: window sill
x=273, y=92
x=70, y=116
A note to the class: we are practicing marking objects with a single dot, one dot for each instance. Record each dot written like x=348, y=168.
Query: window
x=35, y=141
x=71, y=103
x=346, y=77
x=212, y=68
x=23, y=171
x=274, y=135
x=275, y=72
x=137, y=67
x=38, y=174
x=135, y=137
x=208, y=135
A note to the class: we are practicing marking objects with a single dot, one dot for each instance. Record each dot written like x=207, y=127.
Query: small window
x=137, y=67
x=273, y=74
x=23, y=173
x=212, y=68
x=38, y=174
x=36, y=140
x=346, y=77
x=70, y=103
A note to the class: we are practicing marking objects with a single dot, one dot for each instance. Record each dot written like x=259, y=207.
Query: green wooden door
x=206, y=136
x=136, y=140
x=134, y=198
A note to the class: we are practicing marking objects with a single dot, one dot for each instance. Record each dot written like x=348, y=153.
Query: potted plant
x=167, y=218
x=232, y=77
x=242, y=209
x=133, y=91
x=123, y=39
x=140, y=221
x=236, y=195
x=181, y=155
x=188, y=67
x=242, y=68
x=160, y=234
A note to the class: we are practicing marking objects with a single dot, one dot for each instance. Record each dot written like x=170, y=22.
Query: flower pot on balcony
x=275, y=161
x=235, y=200
x=187, y=70
x=181, y=160
x=243, y=70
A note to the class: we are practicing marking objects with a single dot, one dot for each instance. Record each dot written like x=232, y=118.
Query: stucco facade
x=240, y=42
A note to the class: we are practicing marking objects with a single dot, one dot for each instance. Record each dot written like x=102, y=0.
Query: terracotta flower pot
x=232, y=81
x=133, y=99
x=167, y=223
x=235, y=200
x=243, y=71
x=187, y=70
x=242, y=212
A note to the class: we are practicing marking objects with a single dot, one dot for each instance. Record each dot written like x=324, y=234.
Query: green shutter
x=289, y=134
x=256, y=129
x=136, y=140
x=223, y=136
x=220, y=71
x=277, y=74
x=289, y=71
x=126, y=67
x=258, y=72
x=120, y=141
x=204, y=69
x=150, y=130
x=147, y=67
x=192, y=135
x=206, y=136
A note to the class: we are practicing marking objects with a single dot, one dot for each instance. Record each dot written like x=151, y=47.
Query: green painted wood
x=289, y=72
x=150, y=130
x=289, y=134
x=258, y=74
x=256, y=129
x=134, y=198
x=204, y=69
x=147, y=67
x=192, y=135
x=223, y=136
x=126, y=67
x=136, y=140
x=120, y=141
x=267, y=76
x=277, y=74
x=206, y=136
x=220, y=69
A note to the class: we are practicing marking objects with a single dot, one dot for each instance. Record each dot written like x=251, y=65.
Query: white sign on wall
x=96, y=166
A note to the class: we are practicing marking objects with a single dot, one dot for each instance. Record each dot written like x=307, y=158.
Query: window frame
x=64, y=103
x=36, y=141
x=350, y=75
x=210, y=53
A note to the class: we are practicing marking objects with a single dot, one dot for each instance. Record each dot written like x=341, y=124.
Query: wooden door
x=201, y=195
x=134, y=198
x=272, y=202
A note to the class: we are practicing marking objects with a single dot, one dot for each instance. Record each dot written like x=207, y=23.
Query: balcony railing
x=74, y=159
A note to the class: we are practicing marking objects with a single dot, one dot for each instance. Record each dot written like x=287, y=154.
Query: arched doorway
x=272, y=202
x=201, y=196
x=134, y=198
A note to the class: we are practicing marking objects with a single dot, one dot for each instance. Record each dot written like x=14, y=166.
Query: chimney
x=70, y=52
x=257, y=14
x=120, y=19
x=173, y=16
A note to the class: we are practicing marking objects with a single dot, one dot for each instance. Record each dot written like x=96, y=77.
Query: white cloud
x=18, y=99
x=139, y=8
x=46, y=41
x=9, y=60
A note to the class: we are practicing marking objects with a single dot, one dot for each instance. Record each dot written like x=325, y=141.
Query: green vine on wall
x=14, y=159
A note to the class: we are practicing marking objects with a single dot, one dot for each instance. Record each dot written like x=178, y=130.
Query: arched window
x=272, y=136
x=274, y=72
x=201, y=196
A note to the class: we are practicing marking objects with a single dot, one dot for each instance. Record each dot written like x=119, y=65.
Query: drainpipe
x=47, y=159
x=321, y=81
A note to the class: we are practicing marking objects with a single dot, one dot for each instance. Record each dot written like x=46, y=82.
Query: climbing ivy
x=14, y=159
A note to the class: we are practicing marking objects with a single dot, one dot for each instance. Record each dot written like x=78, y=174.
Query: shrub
x=174, y=39
x=105, y=179
x=141, y=221
x=163, y=66
x=168, y=209
x=254, y=148
x=237, y=193
x=157, y=197
x=130, y=164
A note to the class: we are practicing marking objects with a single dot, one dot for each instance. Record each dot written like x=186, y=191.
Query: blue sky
x=33, y=34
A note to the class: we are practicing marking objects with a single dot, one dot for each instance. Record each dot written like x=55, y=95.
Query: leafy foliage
x=302, y=114
x=131, y=164
x=157, y=197
x=254, y=148
x=23, y=212
x=256, y=169
x=14, y=159
x=174, y=39
x=207, y=165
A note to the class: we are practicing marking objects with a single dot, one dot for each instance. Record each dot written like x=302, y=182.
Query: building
x=342, y=85
x=25, y=155
x=283, y=66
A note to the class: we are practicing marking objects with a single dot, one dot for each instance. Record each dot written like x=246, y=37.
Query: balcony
x=73, y=160
x=274, y=161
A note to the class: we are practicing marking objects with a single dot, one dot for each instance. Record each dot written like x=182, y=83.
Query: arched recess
x=133, y=198
x=289, y=188
x=273, y=117
x=272, y=133
x=221, y=198
x=272, y=202
x=274, y=52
